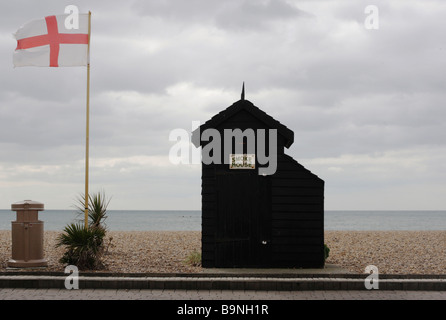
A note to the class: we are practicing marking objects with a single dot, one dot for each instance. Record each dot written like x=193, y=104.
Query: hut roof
x=244, y=105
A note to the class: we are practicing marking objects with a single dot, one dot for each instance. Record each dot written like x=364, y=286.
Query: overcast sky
x=367, y=106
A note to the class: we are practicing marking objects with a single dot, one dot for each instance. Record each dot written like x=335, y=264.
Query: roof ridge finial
x=243, y=91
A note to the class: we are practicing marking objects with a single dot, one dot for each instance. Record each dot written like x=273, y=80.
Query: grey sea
x=184, y=220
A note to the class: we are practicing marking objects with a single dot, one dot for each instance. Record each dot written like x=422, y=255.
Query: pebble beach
x=393, y=252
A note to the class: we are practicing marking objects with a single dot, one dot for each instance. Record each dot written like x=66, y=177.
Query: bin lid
x=27, y=205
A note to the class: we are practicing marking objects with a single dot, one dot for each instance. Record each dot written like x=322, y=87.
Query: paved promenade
x=147, y=294
x=331, y=283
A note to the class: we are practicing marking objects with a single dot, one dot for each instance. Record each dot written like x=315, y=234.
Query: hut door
x=243, y=230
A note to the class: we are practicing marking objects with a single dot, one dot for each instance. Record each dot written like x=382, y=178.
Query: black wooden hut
x=259, y=220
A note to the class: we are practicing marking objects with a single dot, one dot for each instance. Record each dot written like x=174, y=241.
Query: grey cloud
x=342, y=89
x=231, y=15
x=254, y=15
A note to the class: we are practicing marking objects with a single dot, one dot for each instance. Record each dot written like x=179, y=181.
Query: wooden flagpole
x=87, y=136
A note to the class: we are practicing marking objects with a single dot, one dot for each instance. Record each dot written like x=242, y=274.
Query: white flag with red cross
x=52, y=42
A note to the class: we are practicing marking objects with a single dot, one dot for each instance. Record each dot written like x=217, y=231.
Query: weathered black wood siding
x=285, y=210
x=208, y=215
x=297, y=216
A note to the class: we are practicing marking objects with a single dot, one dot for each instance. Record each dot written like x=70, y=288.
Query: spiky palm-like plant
x=85, y=245
x=97, y=208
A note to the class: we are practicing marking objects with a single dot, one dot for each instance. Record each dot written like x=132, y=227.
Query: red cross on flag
x=52, y=42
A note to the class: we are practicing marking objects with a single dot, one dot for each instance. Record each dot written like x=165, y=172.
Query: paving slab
x=257, y=282
x=223, y=296
x=329, y=278
x=328, y=269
